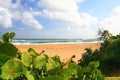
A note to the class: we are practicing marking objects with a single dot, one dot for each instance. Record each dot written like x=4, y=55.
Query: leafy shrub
x=31, y=65
x=108, y=55
x=89, y=56
x=110, y=60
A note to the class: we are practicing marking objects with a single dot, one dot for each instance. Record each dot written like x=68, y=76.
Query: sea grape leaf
x=3, y=59
x=26, y=59
x=94, y=64
x=7, y=51
x=11, y=35
x=40, y=61
x=72, y=66
x=67, y=73
x=56, y=58
x=51, y=64
x=12, y=69
x=86, y=69
x=53, y=78
x=100, y=76
x=33, y=52
x=5, y=37
x=55, y=71
x=29, y=76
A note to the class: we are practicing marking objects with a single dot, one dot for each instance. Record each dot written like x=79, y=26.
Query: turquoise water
x=44, y=41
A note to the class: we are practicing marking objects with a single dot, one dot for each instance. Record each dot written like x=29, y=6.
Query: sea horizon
x=52, y=41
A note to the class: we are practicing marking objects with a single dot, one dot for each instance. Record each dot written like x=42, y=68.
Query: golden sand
x=65, y=51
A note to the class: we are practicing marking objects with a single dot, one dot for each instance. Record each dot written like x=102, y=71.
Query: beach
x=65, y=51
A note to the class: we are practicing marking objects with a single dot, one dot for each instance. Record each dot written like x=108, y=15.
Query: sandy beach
x=65, y=51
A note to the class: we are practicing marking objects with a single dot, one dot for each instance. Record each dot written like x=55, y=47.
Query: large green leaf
x=73, y=66
x=8, y=37
x=67, y=74
x=12, y=69
x=56, y=58
x=53, y=78
x=11, y=36
x=99, y=75
x=3, y=59
x=26, y=59
x=94, y=64
x=86, y=69
x=52, y=64
x=33, y=52
x=7, y=51
x=40, y=61
x=5, y=37
x=29, y=76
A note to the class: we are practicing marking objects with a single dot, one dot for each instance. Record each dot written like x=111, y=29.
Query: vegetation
x=108, y=54
x=30, y=65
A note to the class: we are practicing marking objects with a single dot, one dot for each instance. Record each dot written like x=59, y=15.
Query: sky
x=79, y=19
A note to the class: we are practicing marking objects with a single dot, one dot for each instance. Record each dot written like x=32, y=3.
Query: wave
x=51, y=41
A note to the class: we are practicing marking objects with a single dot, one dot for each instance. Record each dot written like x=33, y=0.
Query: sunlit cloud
x=58, y=11
x=112, y=22
x=29, y=20
x=5, y=18
x=10, y=11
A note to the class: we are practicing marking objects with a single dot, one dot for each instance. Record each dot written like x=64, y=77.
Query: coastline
x=64, y=50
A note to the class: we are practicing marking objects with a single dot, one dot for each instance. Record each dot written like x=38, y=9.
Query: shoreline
x=56, y=43
x=65, y=51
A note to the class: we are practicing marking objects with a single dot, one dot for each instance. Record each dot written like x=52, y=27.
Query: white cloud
x=65, y=12
x=89, y=20
x=10, y=11
x=9, y=5
x=5, y=18
x=29, y=20
x=112, y=22
x=58, y=5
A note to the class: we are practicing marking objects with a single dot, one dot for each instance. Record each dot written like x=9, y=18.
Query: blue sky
x=59, y=18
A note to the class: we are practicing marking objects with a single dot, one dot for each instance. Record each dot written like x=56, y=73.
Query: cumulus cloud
x=9, y=4
x=65, y=12
x=5, y=18
x=29, y=20
x=10, y=11
x=112, y=22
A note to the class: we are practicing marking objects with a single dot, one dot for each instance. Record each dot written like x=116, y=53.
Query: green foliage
x=91, y=72
x=104, y=35
x=53, y=78
x=108, y=54
x=7, y=37
x=33, y=66
x=26, y=58
x=7, y=50
x=111, y=57
x=12, y=69
x=89, y=56
x=40, y=61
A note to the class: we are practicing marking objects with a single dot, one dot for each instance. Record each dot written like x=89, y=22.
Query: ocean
x=51, y=41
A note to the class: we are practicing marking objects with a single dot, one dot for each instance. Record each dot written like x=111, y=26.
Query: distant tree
x=0, y=34
x=104, y=34
x=118, y=35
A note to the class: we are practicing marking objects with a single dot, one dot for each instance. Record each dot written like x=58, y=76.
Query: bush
x=31, y=65
x=108, y=55
x=110, y=60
